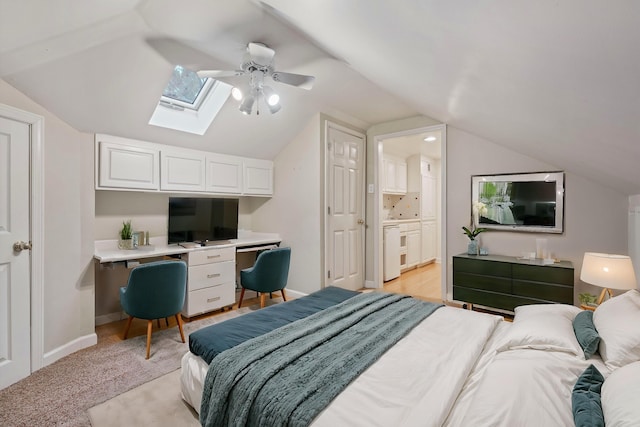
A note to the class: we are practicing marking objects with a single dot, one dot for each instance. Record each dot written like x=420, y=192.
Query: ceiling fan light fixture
x=270, y=96
x=236, y=92
x=274, y=108
x=247, y=105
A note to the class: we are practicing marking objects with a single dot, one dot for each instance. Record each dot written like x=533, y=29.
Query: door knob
x=361, y=221
x=20, y=246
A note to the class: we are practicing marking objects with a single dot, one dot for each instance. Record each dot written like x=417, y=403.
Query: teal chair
x=268, y=274
x=155, y=290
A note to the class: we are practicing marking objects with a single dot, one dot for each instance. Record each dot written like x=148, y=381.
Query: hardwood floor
x=422, y=282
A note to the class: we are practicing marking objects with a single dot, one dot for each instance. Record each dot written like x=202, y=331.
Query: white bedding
x=414, y=383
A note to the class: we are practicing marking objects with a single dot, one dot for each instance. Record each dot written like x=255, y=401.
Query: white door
x=345, y=199
x=15, y=283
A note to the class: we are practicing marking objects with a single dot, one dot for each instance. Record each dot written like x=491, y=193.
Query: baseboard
x=295, y=294
x=108, y=318
x=369, y=284
x=70, y=347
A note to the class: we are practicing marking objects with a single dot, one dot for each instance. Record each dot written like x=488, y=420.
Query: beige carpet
x=156, y=403
x=60, y=394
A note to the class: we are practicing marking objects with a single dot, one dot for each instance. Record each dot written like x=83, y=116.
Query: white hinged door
x=224, y=174
x=182, y=170
x=258, y=177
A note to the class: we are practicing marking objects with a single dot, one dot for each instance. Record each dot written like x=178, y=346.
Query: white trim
x=296, y=294
x=109, y=318
x=369, y=284
x=36, y=123
x=70, y=347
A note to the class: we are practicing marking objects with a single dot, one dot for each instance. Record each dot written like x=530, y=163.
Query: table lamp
x=608, y=272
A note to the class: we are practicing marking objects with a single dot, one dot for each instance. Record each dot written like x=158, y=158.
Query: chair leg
x=166, y=320
x=284, y=296
x=241, y=297
x=179, y=320
x=263, y=297
x=149, y=329
x=126, y=328
x=158, y=322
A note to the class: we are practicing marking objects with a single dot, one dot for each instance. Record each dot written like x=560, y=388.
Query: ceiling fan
x=257, y=64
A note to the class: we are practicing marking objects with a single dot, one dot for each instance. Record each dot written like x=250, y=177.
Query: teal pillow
x=585, y=399
x=586, y=333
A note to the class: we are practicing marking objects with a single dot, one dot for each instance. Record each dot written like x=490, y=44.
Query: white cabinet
x=258, y=177
x=127, y=167
x=409, y=244
x=128, y=164
x=224, y=174
x=182, y=170
x=429, y=239
x=428, y=198
x=413, y=248
x=394, y=175
x=210, y=281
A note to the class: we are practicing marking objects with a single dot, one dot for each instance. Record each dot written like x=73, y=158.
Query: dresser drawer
x=482, y=267
x=207, y=256
x=209, y=299
x=207, y=275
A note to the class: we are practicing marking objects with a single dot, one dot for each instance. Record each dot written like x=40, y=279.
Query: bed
x=554, y=365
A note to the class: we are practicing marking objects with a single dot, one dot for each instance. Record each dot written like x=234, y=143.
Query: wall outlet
x=371, y=189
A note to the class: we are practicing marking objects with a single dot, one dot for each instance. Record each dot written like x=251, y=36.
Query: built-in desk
x=212, y=270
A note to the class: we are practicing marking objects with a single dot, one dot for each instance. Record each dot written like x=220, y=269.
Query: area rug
x=157, y=403
x=60, y=394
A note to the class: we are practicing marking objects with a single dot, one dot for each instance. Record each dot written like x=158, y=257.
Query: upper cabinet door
x=182, y=170
x=258, y=177
x=224, y=174
x=125, y=166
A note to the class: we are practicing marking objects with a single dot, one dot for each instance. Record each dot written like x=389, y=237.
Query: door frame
x=36, y=232
x=326, y=124
x=378, y=204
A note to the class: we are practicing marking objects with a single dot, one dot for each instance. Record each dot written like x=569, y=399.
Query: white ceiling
x=557, y=81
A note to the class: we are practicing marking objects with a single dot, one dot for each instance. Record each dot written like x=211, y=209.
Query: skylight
x=189, y=103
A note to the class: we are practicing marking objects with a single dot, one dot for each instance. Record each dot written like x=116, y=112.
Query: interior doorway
x=411, y=182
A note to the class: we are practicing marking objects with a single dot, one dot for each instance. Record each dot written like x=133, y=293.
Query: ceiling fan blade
x=214, y=74
x=260, y=54
x=298, y=80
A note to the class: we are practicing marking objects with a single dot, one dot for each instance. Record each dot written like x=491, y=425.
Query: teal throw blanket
x=288, y=376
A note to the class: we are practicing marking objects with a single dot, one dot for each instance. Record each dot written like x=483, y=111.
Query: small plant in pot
x=587, y=299
x=126, y=236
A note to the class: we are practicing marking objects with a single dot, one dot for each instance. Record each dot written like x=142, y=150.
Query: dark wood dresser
x=505, y=282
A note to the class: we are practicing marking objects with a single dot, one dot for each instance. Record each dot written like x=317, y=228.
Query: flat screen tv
x=202, y=220
x=531, y=202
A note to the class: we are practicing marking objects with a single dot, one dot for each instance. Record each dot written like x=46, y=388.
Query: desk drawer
x=207, y=275
x=207, y=256
x=208, y=299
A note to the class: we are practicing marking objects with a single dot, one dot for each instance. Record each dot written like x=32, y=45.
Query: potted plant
x=126, y=236
x=587, y=299
x=472, y=231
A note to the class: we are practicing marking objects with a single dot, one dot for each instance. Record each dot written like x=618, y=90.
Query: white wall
x=68, y=230
x=294, y=211
x=595, y=216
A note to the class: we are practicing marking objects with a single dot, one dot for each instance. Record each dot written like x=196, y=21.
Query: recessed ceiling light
x=430, y=138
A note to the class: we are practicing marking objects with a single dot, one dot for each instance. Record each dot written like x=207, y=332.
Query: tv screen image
x=520, y=202
x=202, y=219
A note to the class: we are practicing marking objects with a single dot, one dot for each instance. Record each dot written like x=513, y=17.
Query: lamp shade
x=608, y=271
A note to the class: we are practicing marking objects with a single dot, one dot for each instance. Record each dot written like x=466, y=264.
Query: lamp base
x=602, y=294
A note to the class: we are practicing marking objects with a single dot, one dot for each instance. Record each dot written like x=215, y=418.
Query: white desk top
x=107, y=250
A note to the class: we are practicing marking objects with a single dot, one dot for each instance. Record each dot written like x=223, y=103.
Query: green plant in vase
x=587, y=299
x=472, y=231
x=126, y=235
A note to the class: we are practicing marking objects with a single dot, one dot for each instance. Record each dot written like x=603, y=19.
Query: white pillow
x=544, y=327
x=618, y=323
x=619, y=397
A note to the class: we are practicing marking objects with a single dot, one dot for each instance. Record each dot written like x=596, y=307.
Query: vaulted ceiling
x=555, y=80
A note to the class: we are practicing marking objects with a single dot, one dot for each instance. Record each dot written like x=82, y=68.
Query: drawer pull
x=211, y=276
x=213, y=256
x=213, y=299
